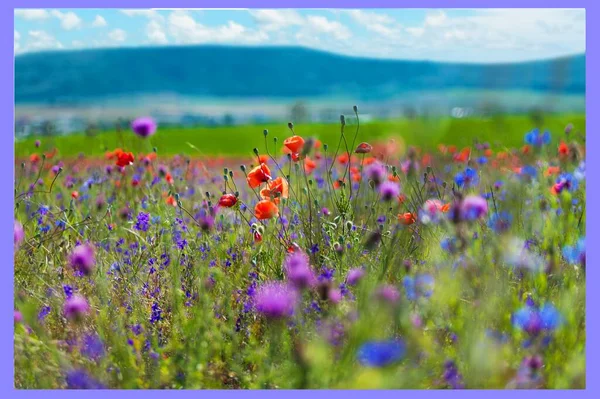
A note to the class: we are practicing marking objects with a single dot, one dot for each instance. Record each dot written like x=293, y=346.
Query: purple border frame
x=7, y=162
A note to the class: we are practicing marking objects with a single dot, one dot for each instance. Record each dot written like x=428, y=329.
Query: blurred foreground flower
x=381, y=353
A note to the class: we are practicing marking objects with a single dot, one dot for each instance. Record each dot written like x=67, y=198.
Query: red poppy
x=257, y=237
x=426, y=161
x=74, y=195
x=363, y=148
x=344, y=158
x=463, y=156
x=51, y=154
x=263, y=158
x=356, y=177
x=445, y=208
x=525, y=149
x=452, y=149
x=401, y=199
x=169, y=178
x=266, y=209
x=124, y=158
x=171, y=201
x=294, y=144
x=34, y=158
x=552, y=170
x=309, y=165
x=227, y=200
x=407, y=218
x=275, y=189
x=259, y=175
x=563, y=149
x=338, y=183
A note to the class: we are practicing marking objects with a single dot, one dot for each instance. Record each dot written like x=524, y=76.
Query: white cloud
x=501, y=34
x=272, y=20
x=68, y=20
x=155, y=33
x=117, y=35
x=17, y=44
x=77, y=44
x=99, y=22
x=150, y=14
x=321, y=25
x=41, y=40
x=185, y=29
x=32, y=14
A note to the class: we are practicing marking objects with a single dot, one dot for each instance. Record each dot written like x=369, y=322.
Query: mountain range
x=85, y=76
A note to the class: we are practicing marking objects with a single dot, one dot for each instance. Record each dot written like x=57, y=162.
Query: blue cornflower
x=500, y=222
x=466, y=178
x=419, y=286
x=575, y=254
x=381, y=353
x=536, y=138
x=534, y=320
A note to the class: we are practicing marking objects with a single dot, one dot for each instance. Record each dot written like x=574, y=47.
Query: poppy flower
x=463, y=156
x=401, y=199
x=75, y=195
x=363, y=148
x=344, y=158
x=309, y=165
x=124, y=158
x=552, y=170
x=259, y=175
x=526, y=149
x=563, y=149
x=34, y=158
x=227, y=200
x=452, y=149
x=275, y=188
x=263, y=158
x=51, y=154
x=317, y=144
x=169, y=178
x=171, y=201
x=257, y=237
x=426, y=161
x=407, y=218
x=294, y=144
x=266, y=209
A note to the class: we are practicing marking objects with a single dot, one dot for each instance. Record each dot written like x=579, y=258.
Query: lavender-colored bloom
x=275, y=300
x=92, y=347
x=334, y=294
x=381, y=353
x=452, y=376
x=528, y=376
x=388, y=293
x=82, y=259
x=143, y=222
x=75, y=307
x=18, y=317
x=144, y=126
x=473, y=207
x=298, y=270
x=79, y=379
x=354, y=276
x=376, y=172
x=19, y=234
x=389, y=190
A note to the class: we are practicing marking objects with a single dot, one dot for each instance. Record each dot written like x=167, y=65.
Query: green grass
x=506, y=131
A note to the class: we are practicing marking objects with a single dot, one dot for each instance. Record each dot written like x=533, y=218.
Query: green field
x=506, y=131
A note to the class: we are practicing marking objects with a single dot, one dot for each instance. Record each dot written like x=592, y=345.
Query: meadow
x=317, y=256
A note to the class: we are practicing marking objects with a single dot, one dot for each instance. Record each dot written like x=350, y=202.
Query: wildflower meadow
x=344, y=261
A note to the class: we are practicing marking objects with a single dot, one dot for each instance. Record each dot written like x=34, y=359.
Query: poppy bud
x=227, y=200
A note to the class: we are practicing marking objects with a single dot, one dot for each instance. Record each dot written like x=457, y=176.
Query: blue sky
x=478, y=35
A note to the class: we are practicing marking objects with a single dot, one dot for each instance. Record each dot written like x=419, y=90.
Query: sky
x=453, y=35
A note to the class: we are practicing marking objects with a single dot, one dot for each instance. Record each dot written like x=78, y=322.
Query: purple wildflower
x=354, y=276
x=298, y=270
x=144, y=126
x=389, y=190
x=75, y=307
x=275, y=300
x=82, y=259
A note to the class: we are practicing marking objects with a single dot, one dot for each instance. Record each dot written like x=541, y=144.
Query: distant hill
x=72, y=77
